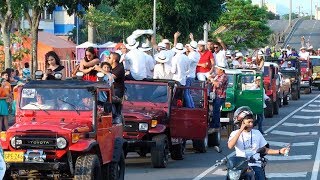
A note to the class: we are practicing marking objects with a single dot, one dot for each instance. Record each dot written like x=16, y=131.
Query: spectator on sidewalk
x=5, y=98
x=26, y=73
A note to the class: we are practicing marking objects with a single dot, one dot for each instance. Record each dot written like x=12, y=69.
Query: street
x=297, y=124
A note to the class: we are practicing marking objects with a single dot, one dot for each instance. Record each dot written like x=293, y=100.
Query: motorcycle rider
x=247, y=141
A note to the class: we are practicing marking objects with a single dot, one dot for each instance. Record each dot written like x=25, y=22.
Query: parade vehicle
x=306, y=76
x=284, y=90
x=293, y=75
x=241, y=91
x=65, y=129
x=157, y=120
x=271, y=86
x=315, y=61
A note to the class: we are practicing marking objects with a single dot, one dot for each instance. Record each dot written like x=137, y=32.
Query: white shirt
x=180, y=68
x=304, y=55
x=194, y=57
x=161, y=72
x=220, y=58
x=150, y=65
x=136, y=61
x=245, y=147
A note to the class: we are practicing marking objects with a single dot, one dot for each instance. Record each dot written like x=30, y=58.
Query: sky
x=283, y=5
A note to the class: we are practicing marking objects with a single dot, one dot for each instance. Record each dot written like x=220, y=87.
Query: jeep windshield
x=288, y=73
x=230, y=80
x=155, y=93
x=315, y=61
x=266, y=71
x=56, y=99
x=304, y=64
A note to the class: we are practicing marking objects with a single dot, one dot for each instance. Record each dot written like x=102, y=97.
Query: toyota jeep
x=306, y=76
x=315, y=60
x=157, y=120
x=65, y=129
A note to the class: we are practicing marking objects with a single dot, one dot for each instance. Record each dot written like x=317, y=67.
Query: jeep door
x=186, y=122
x=248, y=94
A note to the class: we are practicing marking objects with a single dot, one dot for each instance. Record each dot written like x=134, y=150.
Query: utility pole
x=311, y=10
x=290, y=13
x=299, y=10
x=154, y=17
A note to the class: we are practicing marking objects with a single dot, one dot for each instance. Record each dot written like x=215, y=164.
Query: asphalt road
x=310, y=29
x=297, y=124
x=278, y=26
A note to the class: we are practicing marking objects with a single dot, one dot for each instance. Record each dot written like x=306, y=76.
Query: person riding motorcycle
x=247, y=141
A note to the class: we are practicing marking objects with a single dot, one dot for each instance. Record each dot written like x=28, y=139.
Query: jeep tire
x=276, y=107
x=294, y=95
x=160, y=152
x=200, y=146
x=269, y=109
x=285, y=100
x=214, y=139
x=177, y=151
x=115, y=170
x=87, y=167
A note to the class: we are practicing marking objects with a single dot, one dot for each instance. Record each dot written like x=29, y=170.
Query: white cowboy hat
x=201, y=42
x=239, y=54
x=303, y=48
x=162, y=58
x=132, y=43
x=193, y=44
x=179, y=48
x=165, y=41
x=145, y=47
x=310, y=47
x=223, y=67
x=161, y=45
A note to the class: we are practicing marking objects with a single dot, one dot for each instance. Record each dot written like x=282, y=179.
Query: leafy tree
x=172, y=15
x=33, y=17
x=272, y=16
x=293, y=16
x=246, y=24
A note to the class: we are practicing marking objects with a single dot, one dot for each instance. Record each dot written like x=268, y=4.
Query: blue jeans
x=187, y=94
x=217, y=103
x=259, y=120
x=258, y=173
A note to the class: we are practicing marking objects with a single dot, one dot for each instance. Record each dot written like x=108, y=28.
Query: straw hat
x=132, y=43
x=179, y=48
x=145, y=47
x=162, y=58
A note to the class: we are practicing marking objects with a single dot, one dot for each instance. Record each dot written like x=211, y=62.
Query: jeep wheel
x=307, y=90
x=177, y=151
x=200, y=146
x=294, y=95
x=269, y=109
x=299, y=94
x=214, y=139
x=160, y=153
x=88, y=167
x=285, y=100
x=276, y=107
x=115, y=170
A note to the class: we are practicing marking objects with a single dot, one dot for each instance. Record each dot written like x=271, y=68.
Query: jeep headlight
x=61, y=143
x=227, y=104
x=13, y=142
x=143, y=126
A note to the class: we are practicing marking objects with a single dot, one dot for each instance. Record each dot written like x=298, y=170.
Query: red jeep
x=65, y=129
x=271, y=86
x=157, y=122
x=306, y=76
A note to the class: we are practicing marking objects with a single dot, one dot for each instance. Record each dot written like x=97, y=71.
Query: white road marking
x=313, y=105
x=317, y=101
x=213, y=167
x=300, y=124
x=282, y=144
x=286, y=175
x=288, y=133
x=220, y=172
x=316, y=165
x=305, y=117
x=288, y=158
x=310, y=110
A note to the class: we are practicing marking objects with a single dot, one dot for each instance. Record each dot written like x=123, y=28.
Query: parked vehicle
x=315, y=61
x=157, y=120
x=65, y=129
x=306, y=76
x=271, y=85
x=241, y=92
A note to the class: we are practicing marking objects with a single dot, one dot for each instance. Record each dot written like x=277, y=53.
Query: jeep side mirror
x=107, y=107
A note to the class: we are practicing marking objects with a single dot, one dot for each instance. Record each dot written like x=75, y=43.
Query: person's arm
x=91, y=63
x=153, y=42
x=276, y=151
x=175, y=38
x=174, y=66
x=191, y=37
x=224, y=47
x=212, y=63
x=233, y=141
x=261, y=64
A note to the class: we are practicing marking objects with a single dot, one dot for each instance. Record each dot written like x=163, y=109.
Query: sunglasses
x=216, y=47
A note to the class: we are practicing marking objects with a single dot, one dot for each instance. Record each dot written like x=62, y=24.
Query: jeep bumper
x=140, y=143
x=305, y=84
x=47, y=166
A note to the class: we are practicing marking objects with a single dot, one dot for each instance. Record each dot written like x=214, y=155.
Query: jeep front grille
x=32, y=142
x=131, y=126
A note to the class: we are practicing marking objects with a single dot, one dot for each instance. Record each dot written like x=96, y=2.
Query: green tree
x=172, y=15
x=293, y=16
x=246, y=24
x=272, y=16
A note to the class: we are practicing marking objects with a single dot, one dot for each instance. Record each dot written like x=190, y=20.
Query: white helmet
x=241, y=113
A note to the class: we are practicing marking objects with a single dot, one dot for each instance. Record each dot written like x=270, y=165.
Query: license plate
x=13, y=156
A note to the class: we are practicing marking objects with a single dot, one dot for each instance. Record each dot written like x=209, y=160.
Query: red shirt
x=205, y=58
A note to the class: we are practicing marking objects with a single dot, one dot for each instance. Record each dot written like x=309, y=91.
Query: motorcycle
x=238, y=167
